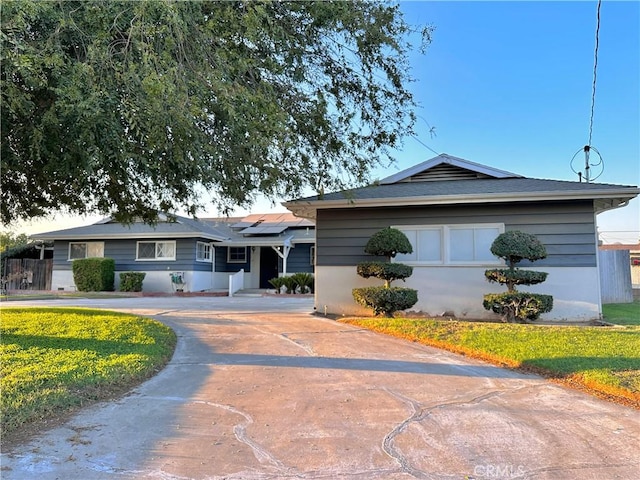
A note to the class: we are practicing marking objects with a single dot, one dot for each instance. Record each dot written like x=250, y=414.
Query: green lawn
x=604, y=360
x=622, y=313
x=53, y=360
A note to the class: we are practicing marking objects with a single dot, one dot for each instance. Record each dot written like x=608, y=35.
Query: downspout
x=595, y=223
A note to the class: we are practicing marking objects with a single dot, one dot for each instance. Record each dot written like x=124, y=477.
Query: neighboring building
x=620, y=272
x=452, y=210
x=200, y=254
x=634, y=259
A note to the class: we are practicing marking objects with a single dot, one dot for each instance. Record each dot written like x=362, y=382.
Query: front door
x=268, y=266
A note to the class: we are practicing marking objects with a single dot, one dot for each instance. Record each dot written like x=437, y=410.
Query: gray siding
x=124, y=254
x=299, y=259
x=223, y=266
x=566, y=228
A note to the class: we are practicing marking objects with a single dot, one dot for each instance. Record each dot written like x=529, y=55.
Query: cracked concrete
x=260, y=389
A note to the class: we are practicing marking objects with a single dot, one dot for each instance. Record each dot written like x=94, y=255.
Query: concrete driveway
x=261, y=389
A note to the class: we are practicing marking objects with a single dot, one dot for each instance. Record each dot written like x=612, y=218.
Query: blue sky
x=508, y=84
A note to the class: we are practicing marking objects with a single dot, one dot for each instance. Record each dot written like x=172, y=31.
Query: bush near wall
x=94, y=274
x=131, y=281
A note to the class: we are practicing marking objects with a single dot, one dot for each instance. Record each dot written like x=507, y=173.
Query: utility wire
x=424, y=144
x=595, y=69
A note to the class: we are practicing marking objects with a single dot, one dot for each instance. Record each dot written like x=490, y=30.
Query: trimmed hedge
x=94, y=274
x=515, y=277
x=387, y=243
x=518, y=306
x=385, y=300
x=384, y=271
x=515, y=245
x=131, y=281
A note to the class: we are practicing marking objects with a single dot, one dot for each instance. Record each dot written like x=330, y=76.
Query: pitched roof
x=276, y=227
x=182, y=227
x=493, y=186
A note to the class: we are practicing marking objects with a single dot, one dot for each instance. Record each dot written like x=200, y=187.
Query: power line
x=595, y=70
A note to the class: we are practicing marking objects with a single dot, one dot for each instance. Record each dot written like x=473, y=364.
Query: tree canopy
x=130, y=108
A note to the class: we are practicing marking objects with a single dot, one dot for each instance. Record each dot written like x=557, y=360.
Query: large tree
x=128, y=108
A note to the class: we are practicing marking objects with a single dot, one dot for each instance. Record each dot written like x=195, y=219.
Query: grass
x=602, y=360
x=622, y=313
x=54, y=360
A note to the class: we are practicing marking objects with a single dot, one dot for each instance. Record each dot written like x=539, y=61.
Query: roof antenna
x=588, y=148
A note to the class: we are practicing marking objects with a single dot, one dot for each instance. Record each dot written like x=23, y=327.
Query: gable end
x=445, y=171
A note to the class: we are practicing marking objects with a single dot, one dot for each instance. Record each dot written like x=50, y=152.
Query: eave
x=125, y=236
x=603, y=200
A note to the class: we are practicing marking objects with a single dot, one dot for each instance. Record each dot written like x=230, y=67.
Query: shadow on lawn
x=571, y=365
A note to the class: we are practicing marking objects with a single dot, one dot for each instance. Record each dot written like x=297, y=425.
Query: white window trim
x=156, y=259
x=446, y=245
x=229, y=260
x=69, y=259
x=205, y=260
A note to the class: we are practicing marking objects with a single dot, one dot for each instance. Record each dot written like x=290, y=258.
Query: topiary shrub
x=94, y=274
x=514, y=306
x=386, y=300
x=385, y=271
x=387, y=243
x=131, y=281
x=304, y=281
x=518, y=305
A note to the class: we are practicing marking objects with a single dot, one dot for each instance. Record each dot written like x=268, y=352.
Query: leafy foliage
x=515, y=277
x=385, y=300
x=278, y=283
x=518, y=306
x=513, y=246
x=290, y=284
x=388, y=242
x=384, y=271
x=131, y=281
x=139, y=107
x=9, y=240
x=94, y=274
x=304, y=281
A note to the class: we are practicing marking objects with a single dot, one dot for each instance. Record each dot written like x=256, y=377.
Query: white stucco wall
x=459, y=290
x=159, y=281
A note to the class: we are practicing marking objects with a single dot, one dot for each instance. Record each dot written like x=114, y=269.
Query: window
x=85, y=250
x=312, y=255
x=237, y=255
x=451, y=244
x=156, y=251
x=203, y=252
x=427, y=245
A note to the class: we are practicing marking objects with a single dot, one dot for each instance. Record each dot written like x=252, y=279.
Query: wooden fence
x=27, y=274
x=615, y=276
